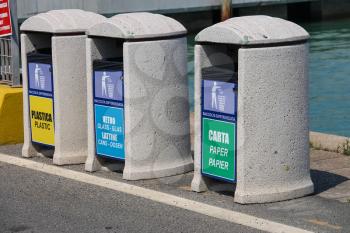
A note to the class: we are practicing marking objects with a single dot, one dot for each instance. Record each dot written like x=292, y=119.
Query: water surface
x=329, y=83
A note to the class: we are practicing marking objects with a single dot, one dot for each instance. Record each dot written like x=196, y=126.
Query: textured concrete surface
x=272, y=130
x=69, y=78
x=11, y=115
x=253, y=30
x=164, y=110
x=157, y=128
x=313, y=213
x=330, y=142
x=62, y=21
x=138, y=25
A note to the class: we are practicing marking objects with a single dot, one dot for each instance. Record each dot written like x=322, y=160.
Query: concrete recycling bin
x=251, y=125
x=138, y=108
x=54, y=84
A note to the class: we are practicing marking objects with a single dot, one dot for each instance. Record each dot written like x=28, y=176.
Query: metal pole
x=15, y=56
x=226, y=9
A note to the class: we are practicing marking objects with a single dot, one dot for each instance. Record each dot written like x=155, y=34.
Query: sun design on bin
x=159, y=96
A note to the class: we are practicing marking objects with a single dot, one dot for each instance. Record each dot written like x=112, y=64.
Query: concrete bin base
x=299, y=190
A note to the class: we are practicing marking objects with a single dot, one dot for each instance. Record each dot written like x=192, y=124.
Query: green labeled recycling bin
x=251, y=110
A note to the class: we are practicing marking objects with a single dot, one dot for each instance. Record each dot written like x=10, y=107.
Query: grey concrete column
x=69, y=99
x=28, y=149
x=160, y=145
x=273, y=143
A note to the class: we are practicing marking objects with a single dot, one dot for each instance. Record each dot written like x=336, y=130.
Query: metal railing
x=6, y=75
x=10, y=52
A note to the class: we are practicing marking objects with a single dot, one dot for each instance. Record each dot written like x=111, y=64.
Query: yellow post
x=226, y=9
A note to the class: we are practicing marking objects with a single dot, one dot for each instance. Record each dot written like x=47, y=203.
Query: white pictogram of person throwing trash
x=214, y=90
x=37, y=75
x=104, y=78
x=39, y=78
x=107, y=86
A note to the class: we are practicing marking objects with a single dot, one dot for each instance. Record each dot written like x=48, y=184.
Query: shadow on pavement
x=325, y=180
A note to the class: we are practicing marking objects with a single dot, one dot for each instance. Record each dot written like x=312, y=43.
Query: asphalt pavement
x=33, y=201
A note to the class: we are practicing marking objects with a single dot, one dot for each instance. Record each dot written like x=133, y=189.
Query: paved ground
x=331, y=174
x=34, y=202
x=31, y=201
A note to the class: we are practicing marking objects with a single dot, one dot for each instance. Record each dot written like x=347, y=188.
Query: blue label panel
x=109, y=85
x=109, y=127
x=40, y=78
x=219, y=97
x=109, y=113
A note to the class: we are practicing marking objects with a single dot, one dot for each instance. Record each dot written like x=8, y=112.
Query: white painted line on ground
x=168, y=199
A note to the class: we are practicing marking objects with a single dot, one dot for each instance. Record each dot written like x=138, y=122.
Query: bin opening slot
x=41, y=52
x=223, y=73
x=39, y=57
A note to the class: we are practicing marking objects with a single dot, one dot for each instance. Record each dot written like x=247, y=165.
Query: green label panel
x=218, y=149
